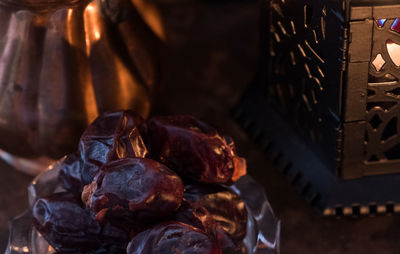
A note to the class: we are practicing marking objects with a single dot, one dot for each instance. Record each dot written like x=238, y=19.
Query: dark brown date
x=225, y=207
x=194, y=149
x=68, y=227
x=133, y=192
x=196, y=216
x=173, y=238
x=115, y=193
x=229, y=212
x=112, y=136
x=70, y=174
x=63, y=222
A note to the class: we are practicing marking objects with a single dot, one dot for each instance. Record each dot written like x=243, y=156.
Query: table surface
x=211, y=57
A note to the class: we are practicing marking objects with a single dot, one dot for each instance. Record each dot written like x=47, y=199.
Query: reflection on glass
x=381, y=22
x=263, y=228
x=396, y=25
x=394, y=51
x=378, y=62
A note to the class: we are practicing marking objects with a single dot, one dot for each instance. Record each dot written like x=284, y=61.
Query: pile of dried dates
x=147, y=187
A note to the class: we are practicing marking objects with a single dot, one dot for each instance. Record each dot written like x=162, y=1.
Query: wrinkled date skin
x=226, y=208
x=61, y=219
x=69, y=228
x=134, y=191
x=116, y=194
x=70, y=174
x=194, y=149
x=112, y=136
x=195, y=216
x=229, y=212
x=173, y=238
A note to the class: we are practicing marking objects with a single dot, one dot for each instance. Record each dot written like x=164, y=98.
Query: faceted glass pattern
x=263, y=228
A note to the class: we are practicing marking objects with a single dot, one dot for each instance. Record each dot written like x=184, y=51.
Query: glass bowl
x=263, y=229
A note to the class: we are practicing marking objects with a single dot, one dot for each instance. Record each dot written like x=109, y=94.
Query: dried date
x=71, y=173
x=65, y=225
x=173, y=238
x=70, y=228
x=194, y=149
x=196, y=216
x=229, y=212
x=133, y=192
x=112, y=136
x=226, y=208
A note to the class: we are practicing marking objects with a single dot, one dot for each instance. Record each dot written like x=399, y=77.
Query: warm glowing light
x=23, y=249
x=240, y=168
x=92, y=22
x=71, y=29
x=90, y=8
x=125, y=84
x=96, y=34
x=69, y=15
x=151, y=15
x=378, y=62
x=90, y=102
x=394, y=52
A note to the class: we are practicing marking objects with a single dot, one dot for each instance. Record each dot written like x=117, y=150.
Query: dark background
x=211, y=57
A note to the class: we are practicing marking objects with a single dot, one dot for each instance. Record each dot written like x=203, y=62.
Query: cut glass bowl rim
x=263, y=228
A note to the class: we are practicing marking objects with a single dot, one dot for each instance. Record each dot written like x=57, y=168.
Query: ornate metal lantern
x=326, y=101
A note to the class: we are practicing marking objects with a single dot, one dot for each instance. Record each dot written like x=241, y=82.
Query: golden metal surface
x=64, y=62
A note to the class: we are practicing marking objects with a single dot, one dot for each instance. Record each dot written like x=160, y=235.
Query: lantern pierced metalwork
x=327, y=99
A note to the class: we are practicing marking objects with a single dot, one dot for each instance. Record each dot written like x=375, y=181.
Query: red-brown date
x=225, y=207
x=133, y=192
x=194, y=149
x=125, y=193
x=195, y=216
x=173, y=238
x=112, y=136
x=229, y=212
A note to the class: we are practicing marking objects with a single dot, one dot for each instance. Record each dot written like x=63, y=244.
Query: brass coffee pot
x=62, y=62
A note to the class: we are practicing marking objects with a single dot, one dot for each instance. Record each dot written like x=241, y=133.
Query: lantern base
x=32, y=166
x=318, y=184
